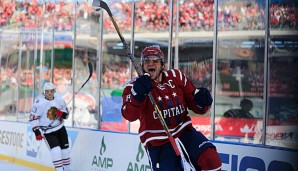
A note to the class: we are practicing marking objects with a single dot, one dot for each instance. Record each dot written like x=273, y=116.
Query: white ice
x=9, y=166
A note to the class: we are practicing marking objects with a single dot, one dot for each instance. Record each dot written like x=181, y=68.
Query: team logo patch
x=51, y=114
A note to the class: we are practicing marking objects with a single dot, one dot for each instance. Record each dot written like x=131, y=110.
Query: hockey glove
x=37, y=133
x=202, y=97
x=61, y=114
x=141, y=87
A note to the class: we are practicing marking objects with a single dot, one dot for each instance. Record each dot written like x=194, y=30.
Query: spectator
x=244, y=112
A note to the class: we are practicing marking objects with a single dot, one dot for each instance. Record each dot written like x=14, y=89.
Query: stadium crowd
x=150, y=15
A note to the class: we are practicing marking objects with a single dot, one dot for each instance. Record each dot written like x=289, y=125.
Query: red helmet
x=153, y=50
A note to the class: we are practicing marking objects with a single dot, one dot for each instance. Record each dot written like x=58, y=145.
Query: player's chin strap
x=185, y=162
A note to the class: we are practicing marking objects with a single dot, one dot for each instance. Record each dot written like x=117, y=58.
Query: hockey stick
x=103, y=5
x=38, y=147
x=90, y=75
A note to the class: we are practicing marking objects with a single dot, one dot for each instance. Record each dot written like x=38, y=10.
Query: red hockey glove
x=37, y=133
x=59, y=113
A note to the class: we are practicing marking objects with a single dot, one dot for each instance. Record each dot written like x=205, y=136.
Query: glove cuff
x=137, y=103
x=64, y=115
x=36, y=131
x=137, y=97
x=196, y=91
x=35, y=128
x=202, y=97
x=133, y=92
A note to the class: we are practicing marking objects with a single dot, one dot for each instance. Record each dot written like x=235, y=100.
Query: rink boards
x=93, y=150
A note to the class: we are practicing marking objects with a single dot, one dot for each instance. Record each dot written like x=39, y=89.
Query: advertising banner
x=93, y=150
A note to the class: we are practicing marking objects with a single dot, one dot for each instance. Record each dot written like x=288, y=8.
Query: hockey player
x=47, y=121
x=174, y=94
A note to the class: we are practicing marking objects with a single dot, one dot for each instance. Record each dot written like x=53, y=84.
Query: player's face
x=246, y=107
x=49, y=94
x=153, y=66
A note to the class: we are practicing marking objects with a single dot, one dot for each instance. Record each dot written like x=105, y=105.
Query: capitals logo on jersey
x=170, y=106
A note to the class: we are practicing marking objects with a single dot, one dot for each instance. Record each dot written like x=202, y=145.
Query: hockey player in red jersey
x=174, y=93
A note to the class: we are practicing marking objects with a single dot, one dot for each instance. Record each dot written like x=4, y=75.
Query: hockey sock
x=66, y=159
x=209, y=160
x=57, y=158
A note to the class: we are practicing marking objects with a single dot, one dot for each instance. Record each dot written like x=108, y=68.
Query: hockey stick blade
x=96, y=3
x=90, y=66
x=90, y=73
x=102, y=4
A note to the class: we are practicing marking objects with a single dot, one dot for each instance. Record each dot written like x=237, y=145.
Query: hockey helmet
x=153, y=50
x=48, y=86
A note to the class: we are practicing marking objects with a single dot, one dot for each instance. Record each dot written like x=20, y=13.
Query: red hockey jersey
x=173, y=95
